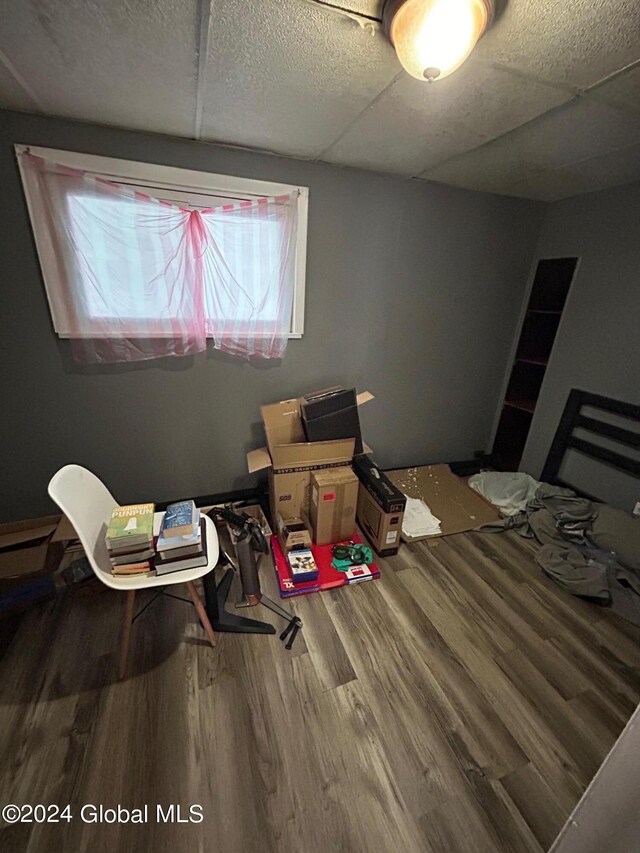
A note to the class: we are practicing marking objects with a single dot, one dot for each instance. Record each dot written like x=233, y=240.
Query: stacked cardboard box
x=291, y=460
x=334, y=495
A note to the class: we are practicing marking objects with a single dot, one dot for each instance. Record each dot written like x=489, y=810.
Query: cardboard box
x=380, y=507
x=332, y=414
x=448, y=497
x=334, y=496
x=290, y=459
x=28, y=559
x=64, y=532
x=293, y=533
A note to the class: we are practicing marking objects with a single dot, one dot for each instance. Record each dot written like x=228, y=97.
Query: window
x=242, y=238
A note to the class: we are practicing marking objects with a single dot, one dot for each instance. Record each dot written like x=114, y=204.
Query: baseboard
x=255, y=495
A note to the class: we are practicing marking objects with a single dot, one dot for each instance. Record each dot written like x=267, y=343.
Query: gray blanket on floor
x=592, y=574
x=591, y=550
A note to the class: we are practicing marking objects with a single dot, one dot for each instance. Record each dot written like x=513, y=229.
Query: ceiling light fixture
x=434, y=37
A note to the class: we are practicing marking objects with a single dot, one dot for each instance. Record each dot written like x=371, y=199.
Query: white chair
x=88, y=504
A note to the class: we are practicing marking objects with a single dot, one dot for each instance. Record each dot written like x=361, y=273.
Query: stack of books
x=129, y=540
x=182, y=543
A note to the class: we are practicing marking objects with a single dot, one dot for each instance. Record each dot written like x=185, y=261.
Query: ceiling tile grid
x=292, y=77
x=577, y=133
x=575, y=42
x=548, y=105
x=623, y=91
x=415, y=125
x=370, y=8
x=121, y=62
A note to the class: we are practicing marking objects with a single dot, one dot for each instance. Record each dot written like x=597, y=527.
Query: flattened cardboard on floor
x=448, y=497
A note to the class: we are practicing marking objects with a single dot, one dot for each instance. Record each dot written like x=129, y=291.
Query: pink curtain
x=249, y=259
x=131, y=277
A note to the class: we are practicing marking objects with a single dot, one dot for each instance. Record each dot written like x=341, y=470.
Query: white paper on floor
x=419, y=520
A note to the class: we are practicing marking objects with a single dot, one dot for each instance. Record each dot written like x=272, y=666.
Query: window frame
x=152, y=176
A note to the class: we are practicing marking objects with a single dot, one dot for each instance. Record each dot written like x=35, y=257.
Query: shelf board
x=542, y=362
x=522, y=405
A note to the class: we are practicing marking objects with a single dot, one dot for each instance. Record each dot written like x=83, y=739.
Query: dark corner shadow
x=171, y=364
x=499, y=9
x=67, y=661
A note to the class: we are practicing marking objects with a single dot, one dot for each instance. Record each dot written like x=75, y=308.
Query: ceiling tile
x=623, y=91
x=371, y=8
x=485, y=169
x=609, y=170
x=578, y=42
x=576, y=132
x=551, y=185
x=612, y=169
x=537, y=184
x=289, y=76
x=119, y=62
x=415, y=125
x=12, y=95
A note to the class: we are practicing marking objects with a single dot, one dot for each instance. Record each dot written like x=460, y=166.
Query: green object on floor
x=345, y=557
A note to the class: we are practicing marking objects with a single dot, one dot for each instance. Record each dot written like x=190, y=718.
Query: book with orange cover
x=143, y=568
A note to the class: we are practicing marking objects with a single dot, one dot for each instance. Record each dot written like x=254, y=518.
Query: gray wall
x=598, y=344
x=413, y=292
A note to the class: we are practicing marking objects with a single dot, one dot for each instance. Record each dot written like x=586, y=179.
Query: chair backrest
x=88, y=504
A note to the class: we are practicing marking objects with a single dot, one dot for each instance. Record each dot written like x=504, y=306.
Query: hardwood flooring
x=461, y=704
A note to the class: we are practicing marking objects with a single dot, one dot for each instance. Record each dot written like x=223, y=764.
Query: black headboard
x=573, y=418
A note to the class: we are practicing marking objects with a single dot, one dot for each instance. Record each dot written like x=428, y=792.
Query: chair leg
x=126, y=634
x=202, y=613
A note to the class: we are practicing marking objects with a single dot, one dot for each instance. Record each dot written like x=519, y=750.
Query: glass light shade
x=434, y=37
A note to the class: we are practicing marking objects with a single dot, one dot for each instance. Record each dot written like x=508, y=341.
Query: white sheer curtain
x=132, y=277
x=249, y=274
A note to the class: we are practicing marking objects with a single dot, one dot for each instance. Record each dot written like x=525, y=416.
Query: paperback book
x=167, y=545
x=197, y=561
x=179, y=519
x=130, y=526
x=131, y=557
x=130, y=569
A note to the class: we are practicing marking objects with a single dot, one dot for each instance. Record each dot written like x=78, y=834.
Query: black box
x=332, y=414
x=385, y=494
x=381, y=507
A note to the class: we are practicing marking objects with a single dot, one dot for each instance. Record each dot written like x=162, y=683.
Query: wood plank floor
x=461, y=703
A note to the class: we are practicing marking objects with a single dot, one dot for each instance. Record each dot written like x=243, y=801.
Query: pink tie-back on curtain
x=135, y=277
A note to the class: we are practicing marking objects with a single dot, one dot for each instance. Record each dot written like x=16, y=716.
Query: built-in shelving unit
x=546, y=303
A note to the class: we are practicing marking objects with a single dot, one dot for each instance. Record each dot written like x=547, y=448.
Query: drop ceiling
x=547, y=107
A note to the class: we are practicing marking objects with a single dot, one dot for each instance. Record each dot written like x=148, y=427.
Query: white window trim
x=178, y=179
